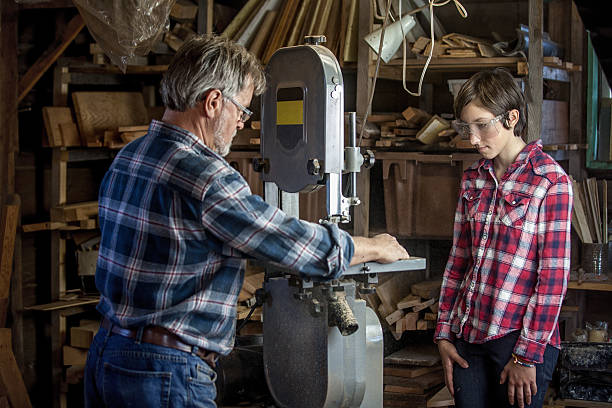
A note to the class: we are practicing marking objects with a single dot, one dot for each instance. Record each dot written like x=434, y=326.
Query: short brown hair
x=497, y=91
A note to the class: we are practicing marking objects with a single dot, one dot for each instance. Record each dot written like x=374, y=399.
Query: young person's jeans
x=478, y=385
x=123, y=372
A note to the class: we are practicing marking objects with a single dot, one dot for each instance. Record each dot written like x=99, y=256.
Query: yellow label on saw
x=290, y=112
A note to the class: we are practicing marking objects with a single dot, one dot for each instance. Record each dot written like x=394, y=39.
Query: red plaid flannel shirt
x=509, y=264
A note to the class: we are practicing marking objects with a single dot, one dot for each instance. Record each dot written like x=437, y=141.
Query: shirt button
x=513, y=202
x=472, y=285
x=490, y=212
x=333, y=266
x=485, y=236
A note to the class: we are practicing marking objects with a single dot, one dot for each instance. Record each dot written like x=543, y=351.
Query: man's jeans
x=478, y=385
x=123, y=372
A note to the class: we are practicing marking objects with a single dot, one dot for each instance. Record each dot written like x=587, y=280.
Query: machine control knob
x=314, y=167
x=315, y=39
x=368, y=159
x=260, y=164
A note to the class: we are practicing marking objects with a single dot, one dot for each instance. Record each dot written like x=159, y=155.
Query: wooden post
x=577, y=114
x=9, y=141
x=535, y=94
x=59, y=170
x=205, y=16
x=361, y=213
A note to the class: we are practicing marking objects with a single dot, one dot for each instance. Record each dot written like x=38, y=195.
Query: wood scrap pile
x=263, y=26
x=416, y=311
x=590, y=211
x=402, y=129
x=412, y=376
x=454, y=45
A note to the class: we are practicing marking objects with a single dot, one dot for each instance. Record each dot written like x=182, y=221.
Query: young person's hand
x=449, y=355
x=521, y=383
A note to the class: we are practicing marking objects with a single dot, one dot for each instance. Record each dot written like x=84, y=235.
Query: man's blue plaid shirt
x=177, y=222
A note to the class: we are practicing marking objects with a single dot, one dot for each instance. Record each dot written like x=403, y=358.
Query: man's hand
x=449, y=355
x=381, y=248
x=521, y=383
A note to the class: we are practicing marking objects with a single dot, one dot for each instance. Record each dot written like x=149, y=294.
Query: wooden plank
x=396, y=287
x=417, y=355
x=82, y=336
x=410, y=321
x=36, y=71
x=294, y=35
x=64, y=304
x=74, y=356
x=409, y=372
x=253, y=282
x=69, y=134
x=579, y=220
x=9, y=373
x=443, y=398
x=395, y=316
x=577, y=107
x=408, y=301
x=256, y=24
x=429, y=133
x=240, y=18
x=262, y=35
x=427, y=289
x=420, y=383
x=53, y=116
x=74, y=212
x=98, y=111
x=423, y=305
x=8, y=224
x=415, y=116
x=281, y=29
x=184, y=10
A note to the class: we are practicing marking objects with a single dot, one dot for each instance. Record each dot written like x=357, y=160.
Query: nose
x=240, y=125
x=474, y=139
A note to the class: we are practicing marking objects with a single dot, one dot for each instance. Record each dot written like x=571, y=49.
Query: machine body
x=322, y=344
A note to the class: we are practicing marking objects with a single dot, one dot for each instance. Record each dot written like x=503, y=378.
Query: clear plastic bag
x=125, y=28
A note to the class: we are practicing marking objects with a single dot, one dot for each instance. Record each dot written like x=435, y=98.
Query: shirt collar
x=523, y=157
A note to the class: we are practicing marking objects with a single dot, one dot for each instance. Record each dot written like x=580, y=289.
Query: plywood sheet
x=98, y=111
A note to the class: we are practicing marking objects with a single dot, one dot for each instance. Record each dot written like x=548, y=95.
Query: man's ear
x=212, y=103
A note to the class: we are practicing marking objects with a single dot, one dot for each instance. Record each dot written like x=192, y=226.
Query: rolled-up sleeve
x=247, y=225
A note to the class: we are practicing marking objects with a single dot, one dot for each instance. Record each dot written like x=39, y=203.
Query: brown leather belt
x=161, y=337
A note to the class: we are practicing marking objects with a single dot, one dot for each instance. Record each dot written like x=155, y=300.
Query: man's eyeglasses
x=484, y=128
x=246, y=113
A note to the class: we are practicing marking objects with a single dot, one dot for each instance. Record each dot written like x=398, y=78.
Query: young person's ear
x=511, y=118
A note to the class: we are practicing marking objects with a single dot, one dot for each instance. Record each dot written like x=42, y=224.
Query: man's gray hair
x=209, y=62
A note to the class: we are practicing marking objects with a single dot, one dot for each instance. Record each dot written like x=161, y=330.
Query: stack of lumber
x=411, y=125
x=75, y=355
x=590, y=211
x=415, y=311
x=412, y=376
x=454, y=45
x=246, y=297
x=263, y=26
x=79, y=215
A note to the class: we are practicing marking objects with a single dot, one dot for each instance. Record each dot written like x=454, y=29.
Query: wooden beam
x=577, y=115
x=45, y=61
x=535, y=90
x=9, y=373
x=8, y=229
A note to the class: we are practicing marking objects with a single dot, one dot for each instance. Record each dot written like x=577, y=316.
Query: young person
x=507, y=272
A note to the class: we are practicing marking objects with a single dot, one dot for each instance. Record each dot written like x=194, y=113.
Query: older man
x=177, y=222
